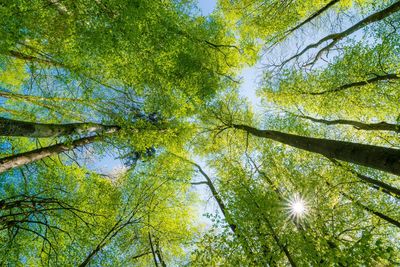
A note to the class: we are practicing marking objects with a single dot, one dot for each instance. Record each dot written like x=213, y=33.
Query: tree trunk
x=368, y=209
x=336, y=37
x=9, y=127
x=313, y=16
x=376, y=184
x=273, y=232
x=376, y=79
x=216, y=196
x=21, y=159
x=381, y=158
x=152, y=251
x=380, y=126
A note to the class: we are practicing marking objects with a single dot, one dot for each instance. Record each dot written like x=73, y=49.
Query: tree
x=114, y=115
x=11, y=127
x=381, y=158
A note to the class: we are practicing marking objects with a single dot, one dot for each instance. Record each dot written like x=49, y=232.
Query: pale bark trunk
x=24, y=158
x=9, y=127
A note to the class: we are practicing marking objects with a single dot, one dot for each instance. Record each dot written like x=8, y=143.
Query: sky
x=206, y=6
x=249, y=79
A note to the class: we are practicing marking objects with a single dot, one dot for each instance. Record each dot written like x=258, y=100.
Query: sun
x=297, y=207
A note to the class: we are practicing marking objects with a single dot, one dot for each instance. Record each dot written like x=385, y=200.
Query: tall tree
x=10, y=127
x=381, y=158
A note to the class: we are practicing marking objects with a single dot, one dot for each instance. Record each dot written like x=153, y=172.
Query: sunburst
x=297, y=208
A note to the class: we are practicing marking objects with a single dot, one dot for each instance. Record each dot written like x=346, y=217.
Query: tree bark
x=9, y=127
x=381, y=158
x=24, y=158
x=152, y=251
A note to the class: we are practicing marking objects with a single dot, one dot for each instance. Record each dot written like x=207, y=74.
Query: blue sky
x=206, y=6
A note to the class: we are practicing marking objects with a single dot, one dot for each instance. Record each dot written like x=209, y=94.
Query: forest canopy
x=127, y=137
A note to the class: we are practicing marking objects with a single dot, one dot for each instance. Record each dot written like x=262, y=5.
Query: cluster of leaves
x=165, y=79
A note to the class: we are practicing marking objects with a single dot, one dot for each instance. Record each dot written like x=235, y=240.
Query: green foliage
x=166, y=79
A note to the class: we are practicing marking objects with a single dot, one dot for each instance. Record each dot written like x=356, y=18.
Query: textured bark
x=24, y=158
x=380, y=126
x=9, y=127
x=381, y=158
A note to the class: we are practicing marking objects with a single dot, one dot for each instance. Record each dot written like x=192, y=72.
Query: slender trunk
x=222, y=207
x=280, y=245
x=31, y=58
x=277, y=39
x=24, y=158
x=109, y=236
x=91, y=255
x=10, y=127
x=217, y=198
x=376, y=79
x=34, y=99
x=220, y=203
x=273, y=233
x=369, y=210
x=99, y=246
x=380, y=126
x=336, y=37
x=376, y=213
x=381, y=158
x=213, y=190
x=376, y=184
x=266, y=178
x=159, y=254
x=313, y=16
x=152, y=251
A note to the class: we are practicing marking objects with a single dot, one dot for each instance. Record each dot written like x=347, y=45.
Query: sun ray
x=297, y=208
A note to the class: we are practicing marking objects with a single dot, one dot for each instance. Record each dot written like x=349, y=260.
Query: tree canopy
x=126, y=138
